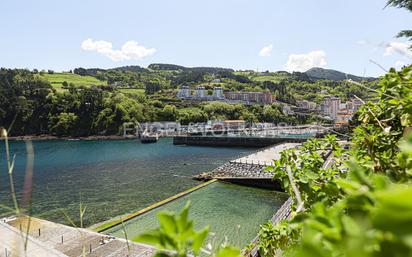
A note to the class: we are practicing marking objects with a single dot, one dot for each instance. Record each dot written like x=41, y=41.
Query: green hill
x=57, y=79
x=329, y=74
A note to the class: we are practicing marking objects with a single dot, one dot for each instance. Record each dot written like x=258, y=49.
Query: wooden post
x=90, y=248
x=39, y=232
x=62, y=239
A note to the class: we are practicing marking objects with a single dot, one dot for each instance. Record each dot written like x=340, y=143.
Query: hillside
x=165, y=79
x=56, y=80
x=329, y=74
x=165, y=66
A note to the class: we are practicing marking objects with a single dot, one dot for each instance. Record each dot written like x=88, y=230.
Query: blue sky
x=242, y=34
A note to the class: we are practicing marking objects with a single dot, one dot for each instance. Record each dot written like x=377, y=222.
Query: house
x=234, y=124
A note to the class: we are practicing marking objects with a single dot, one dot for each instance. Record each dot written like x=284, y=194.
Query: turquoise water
x=110, y=177
x=233, y=212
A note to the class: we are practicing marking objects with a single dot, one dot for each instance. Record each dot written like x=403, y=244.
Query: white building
x=331, y=106
x=184, y=92
x=287, y=110
x=335, y=106
x=306, y=105
x=356, y=104
x=200, y=92
x=218, y=93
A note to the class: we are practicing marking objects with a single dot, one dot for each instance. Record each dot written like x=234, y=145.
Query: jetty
x=263, y=137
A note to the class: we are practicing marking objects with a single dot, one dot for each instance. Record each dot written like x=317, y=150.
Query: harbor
x=242, y=135
x=241, y=180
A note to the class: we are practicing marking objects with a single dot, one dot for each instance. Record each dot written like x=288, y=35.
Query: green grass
x=57, y=79
x=255, y=76
x=272, y=78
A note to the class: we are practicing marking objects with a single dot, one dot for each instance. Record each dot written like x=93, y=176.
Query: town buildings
x=330, y=106
x=304, y=104
x=340, y=112
x=200, y=94
x=251, y=97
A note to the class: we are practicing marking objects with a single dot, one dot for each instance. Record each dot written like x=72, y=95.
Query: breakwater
x=241, y=141
x=236, y=170
x=242, y=174
x=250, y=170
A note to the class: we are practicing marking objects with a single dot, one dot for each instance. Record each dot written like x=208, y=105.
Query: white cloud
x=303, y=62
x=266, y=51
x=131, y=50
x=398, y=47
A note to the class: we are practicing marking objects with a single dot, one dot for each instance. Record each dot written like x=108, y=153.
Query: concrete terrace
x=51, y=239
x=12, y=244
x=266, y=156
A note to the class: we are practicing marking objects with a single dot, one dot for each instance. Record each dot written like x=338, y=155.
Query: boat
x=147, y=138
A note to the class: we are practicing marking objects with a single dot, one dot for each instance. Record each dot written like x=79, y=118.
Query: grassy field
x=273, y=77
x=57, y=79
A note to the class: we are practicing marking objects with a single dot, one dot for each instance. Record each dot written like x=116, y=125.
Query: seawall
x=233, y=141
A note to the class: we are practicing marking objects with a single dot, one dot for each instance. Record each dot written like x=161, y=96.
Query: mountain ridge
x=318, y=73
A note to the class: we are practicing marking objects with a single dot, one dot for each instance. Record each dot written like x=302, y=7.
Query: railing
x=282, y=213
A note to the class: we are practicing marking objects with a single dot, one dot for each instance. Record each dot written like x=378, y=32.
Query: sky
x=348, y=35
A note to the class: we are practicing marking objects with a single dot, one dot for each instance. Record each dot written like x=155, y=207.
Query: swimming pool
x=233, y=212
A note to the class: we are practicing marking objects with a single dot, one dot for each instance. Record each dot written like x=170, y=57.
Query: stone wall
x=233, y=141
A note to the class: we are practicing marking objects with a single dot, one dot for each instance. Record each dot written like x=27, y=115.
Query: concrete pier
x=233, y=141
x=266, y=156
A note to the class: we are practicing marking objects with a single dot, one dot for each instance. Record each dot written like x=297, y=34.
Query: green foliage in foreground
x=360, y=205
x=176, y=236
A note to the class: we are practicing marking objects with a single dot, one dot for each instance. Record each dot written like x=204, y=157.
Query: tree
x=407, y=4
x=80, y=71
x=168, y=113
x=153, y=87
x=64, y=124
x=248, y=116
x=271, y=114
